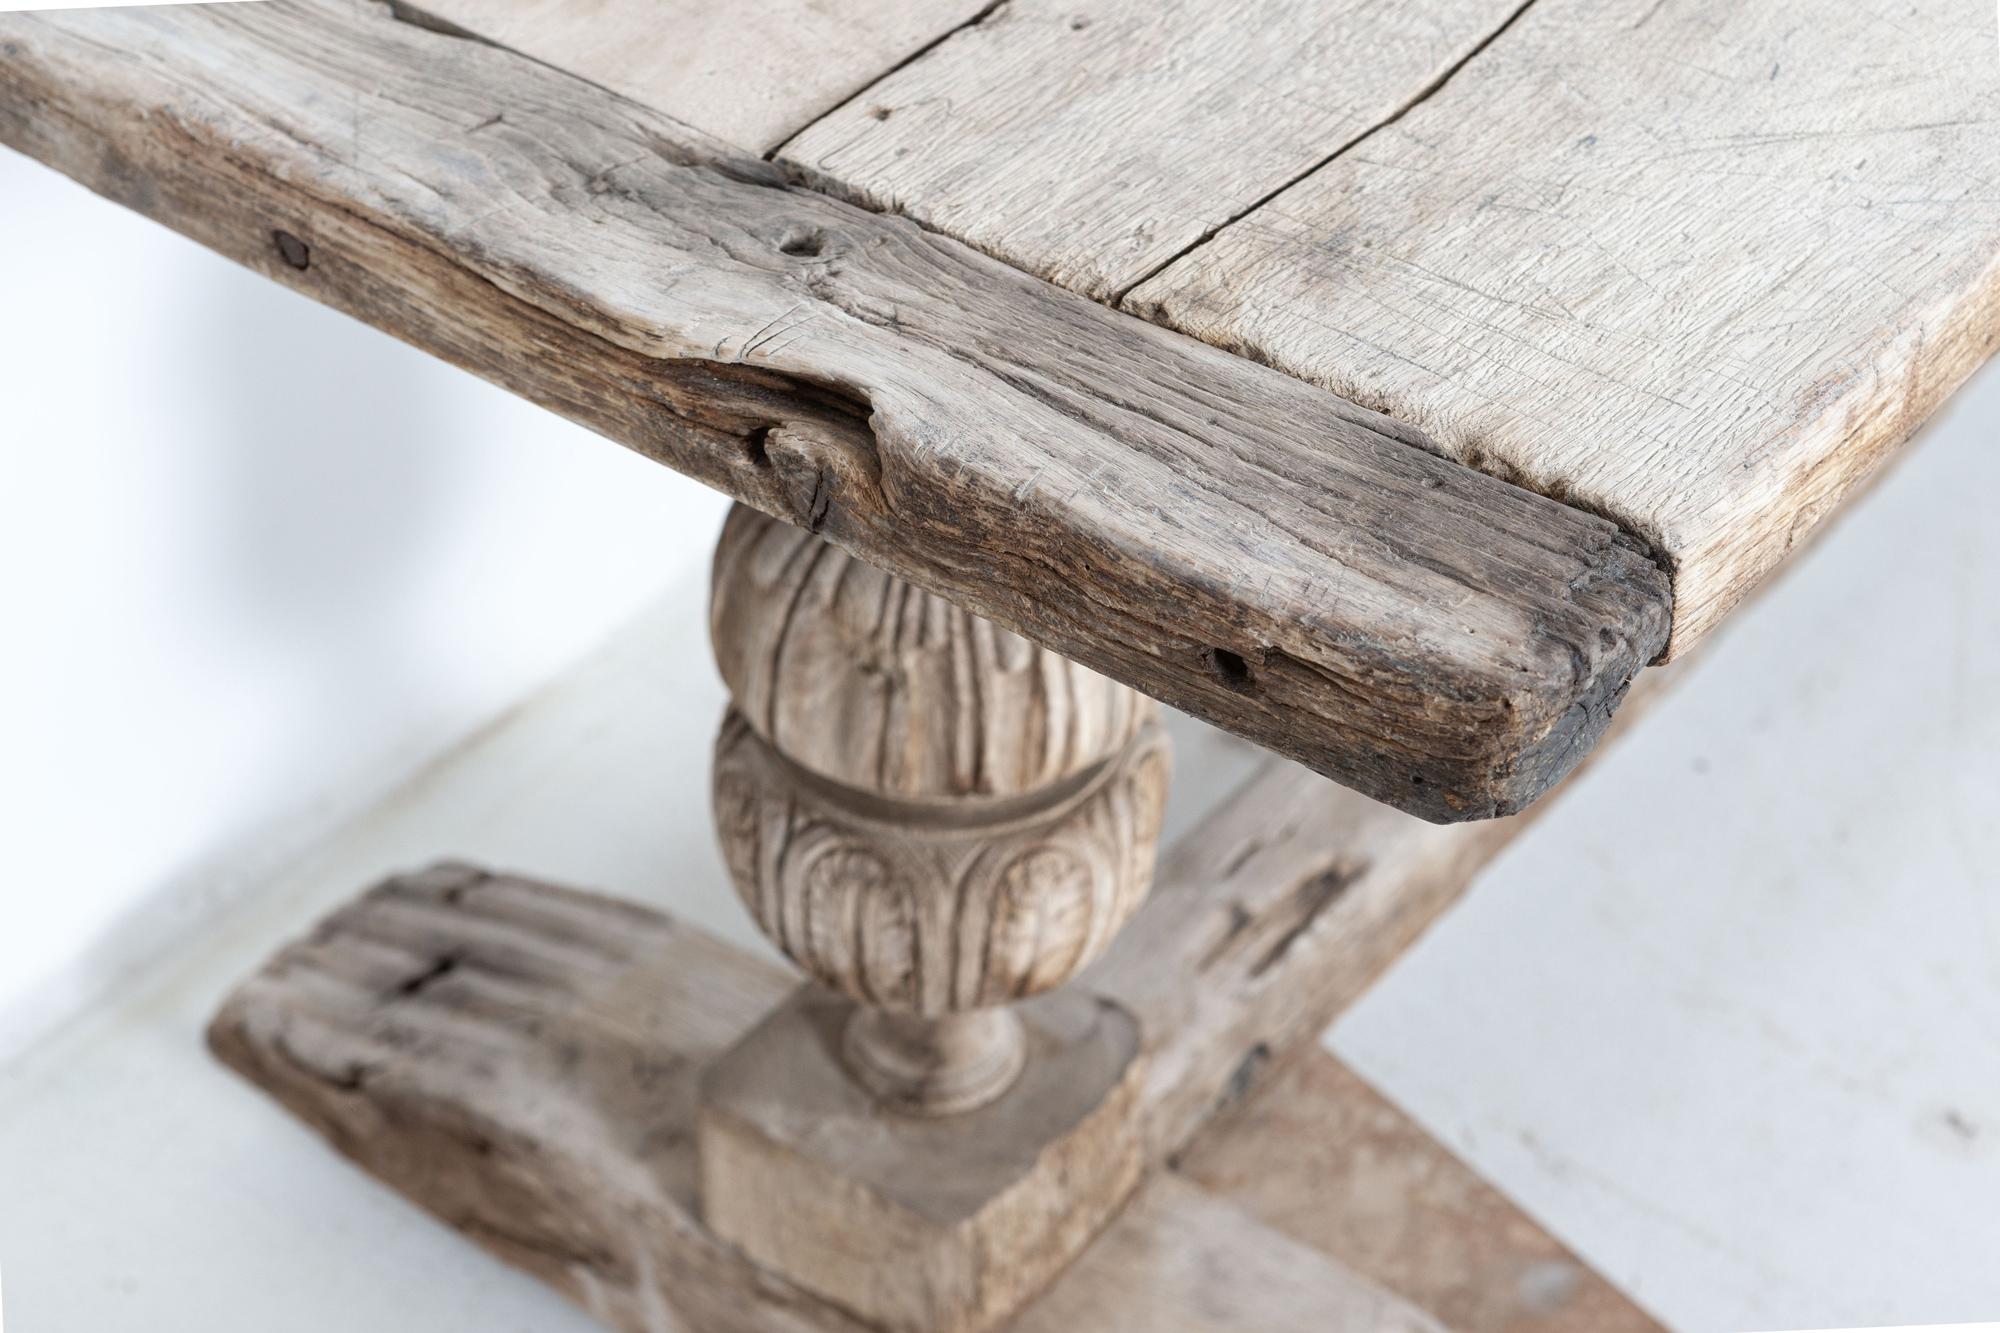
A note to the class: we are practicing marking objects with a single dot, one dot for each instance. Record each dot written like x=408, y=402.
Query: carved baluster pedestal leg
x=941, y=824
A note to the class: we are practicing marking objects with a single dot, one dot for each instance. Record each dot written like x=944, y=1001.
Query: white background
x=1727, y=1019
x=256, y=562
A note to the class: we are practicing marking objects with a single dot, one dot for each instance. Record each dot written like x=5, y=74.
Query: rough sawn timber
x=1223, y=537
x=1274, y=914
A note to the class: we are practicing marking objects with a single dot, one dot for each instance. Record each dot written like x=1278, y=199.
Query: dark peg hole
x=802, y=243
x=292, y=250
x=882, y=112
x=757, y=446
x=1229, y=668
x=1078, y=24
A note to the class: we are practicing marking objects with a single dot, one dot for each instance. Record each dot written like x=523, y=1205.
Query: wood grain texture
x=748, y=74
x=1225, y=538
x=1093, y=142
x=925, y=812
x=940, y=822
x=1265, y=921
x=1692, y=264
x=1180, y=1261
x=522, y=1060
x=920, y=1224
x=873, y=683
x=937, y=910
x=1274, y=914
x=1322, y=1157
x=367, y=1031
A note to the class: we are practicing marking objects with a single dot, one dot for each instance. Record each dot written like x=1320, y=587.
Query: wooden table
x=1391, y=385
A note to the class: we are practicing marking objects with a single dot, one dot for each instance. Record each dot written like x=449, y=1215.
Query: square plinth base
x=931, y=1225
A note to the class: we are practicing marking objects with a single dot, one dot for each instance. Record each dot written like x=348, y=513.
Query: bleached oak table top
x=1385, y=382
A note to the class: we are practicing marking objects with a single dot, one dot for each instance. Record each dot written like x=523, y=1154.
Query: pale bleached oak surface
x=750, y=74
x=1092, y=143
x=1325, y=1159
x=1689, y=267
x=1694, y=265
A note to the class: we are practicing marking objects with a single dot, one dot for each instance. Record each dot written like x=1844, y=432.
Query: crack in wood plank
x=1421, y=96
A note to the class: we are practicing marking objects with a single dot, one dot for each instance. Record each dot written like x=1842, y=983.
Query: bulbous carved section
x=925, y=812
x=863, y=678
x=935, y=910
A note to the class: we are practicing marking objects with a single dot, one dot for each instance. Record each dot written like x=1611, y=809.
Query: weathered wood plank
x=1092, y=143
x=1692, y=264
x=521, y=1060
x=1265, y=921
x=1323, y=1158
x=1228, y=539
x=750, y=75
